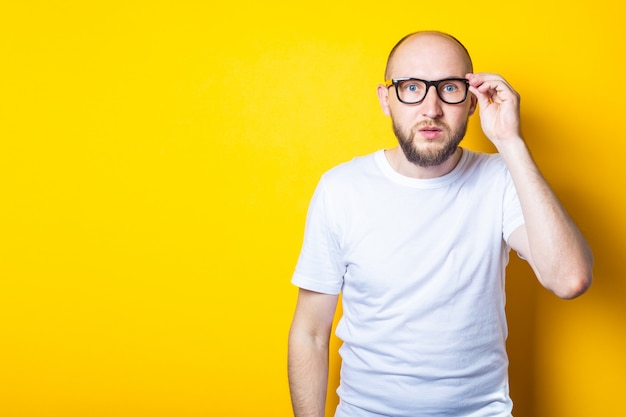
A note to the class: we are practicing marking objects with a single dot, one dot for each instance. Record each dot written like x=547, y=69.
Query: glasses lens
x=452, y=91
x=411, y=91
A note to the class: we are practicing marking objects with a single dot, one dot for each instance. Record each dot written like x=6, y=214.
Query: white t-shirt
x=420, y=265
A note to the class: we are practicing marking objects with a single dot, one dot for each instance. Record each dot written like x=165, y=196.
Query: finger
x=483, y=99
x=480, y=87
x=481, y=77
x=488, y=81
x=498, y=90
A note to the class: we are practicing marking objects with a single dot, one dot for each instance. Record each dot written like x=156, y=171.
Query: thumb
x=483, y=99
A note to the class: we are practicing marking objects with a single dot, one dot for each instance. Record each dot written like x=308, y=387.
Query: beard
x=428, y=158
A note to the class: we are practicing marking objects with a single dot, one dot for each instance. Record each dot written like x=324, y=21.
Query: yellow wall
x=157, y=159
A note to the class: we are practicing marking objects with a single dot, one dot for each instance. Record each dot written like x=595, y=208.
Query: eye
x=449, y=88
x=412, y=88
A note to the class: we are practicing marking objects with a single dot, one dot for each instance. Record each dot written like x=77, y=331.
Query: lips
x=431, y=132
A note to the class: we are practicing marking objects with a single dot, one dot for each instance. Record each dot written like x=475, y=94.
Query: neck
x=401, y=165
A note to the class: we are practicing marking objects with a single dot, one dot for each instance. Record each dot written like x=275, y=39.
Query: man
x=416, y=239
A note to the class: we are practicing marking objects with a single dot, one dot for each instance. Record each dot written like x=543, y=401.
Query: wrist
x=507, y=144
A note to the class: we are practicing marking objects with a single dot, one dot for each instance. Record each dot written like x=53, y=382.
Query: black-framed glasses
x=414, y=90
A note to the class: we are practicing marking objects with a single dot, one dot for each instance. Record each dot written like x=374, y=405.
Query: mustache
x=431, y=123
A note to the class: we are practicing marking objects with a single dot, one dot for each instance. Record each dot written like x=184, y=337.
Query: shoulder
x=486, y=163
x=351, y=171
x=482, y=158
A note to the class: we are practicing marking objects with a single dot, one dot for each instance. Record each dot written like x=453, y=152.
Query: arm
x=308, y=352
x=549, y=239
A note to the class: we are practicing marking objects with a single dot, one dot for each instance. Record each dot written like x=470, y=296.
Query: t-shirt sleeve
x=320, y=267
x=512, y=216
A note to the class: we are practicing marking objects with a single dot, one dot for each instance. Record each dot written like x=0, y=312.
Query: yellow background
x=156, y=163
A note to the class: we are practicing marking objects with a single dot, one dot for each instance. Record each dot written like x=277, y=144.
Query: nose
x=431, y=105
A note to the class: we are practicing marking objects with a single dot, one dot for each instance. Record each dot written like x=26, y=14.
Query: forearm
x=550, y=240
x=559, y=253
x=308, y=375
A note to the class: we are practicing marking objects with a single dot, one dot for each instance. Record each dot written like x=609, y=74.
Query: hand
x=499, y=106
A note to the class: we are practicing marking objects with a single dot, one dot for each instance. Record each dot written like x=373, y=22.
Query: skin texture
x=549, y=240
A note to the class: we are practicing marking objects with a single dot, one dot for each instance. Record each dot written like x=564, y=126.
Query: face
x=429, y=132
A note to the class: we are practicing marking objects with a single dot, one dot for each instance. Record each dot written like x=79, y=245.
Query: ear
x=383, y=98
x=473, y=104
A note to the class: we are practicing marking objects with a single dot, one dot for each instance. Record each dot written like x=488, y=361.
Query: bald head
x=427, y=43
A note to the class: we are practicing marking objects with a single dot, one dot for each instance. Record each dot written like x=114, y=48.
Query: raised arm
x=308, y=352
x=549, y=240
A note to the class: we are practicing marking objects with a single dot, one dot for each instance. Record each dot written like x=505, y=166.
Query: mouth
x=430, y=129
x=431, y=132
